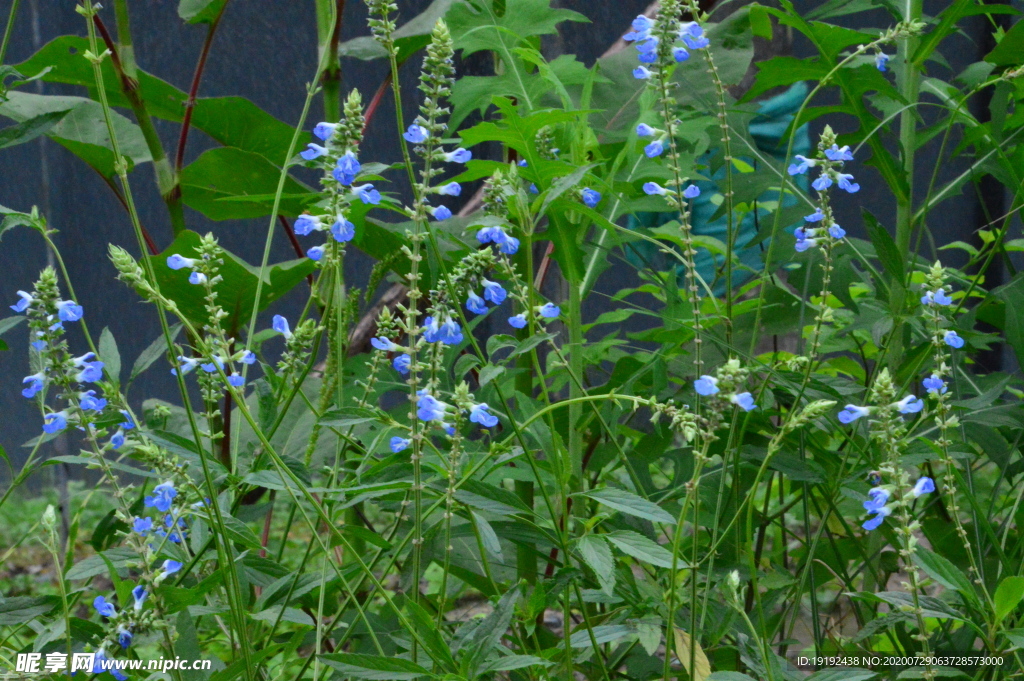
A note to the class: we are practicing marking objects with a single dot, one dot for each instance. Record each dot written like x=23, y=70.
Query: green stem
x=910, y=83
x=10, y=29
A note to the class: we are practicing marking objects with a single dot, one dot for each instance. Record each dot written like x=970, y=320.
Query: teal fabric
x=767, y=130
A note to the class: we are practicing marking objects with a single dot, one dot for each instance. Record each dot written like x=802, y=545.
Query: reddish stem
x=193, y=92
x=150, y=244
x=378, y=96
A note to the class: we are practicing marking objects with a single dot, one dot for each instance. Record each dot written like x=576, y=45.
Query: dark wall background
x=266, y=51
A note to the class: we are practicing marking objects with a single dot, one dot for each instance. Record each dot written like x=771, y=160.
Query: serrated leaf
x=598, y=555
x=649, y=632
x=630, y=503
x=943, y=571
x=641, y=548
x=701, y=667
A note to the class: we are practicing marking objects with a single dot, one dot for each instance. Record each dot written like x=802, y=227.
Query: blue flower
x=236, y=380
x=212, y=367
x=533, y=189
x=346, y=169
x=641, y=73
x=475, y=303
x=305, y=223
x=816, y=216
x=517, y=321
x=197, y=278
x=38, y=345
x=177, y=262
x=744, y=401
x=486, y=235
x=448, y=428
x=680, y=54
x=428, y=408
x=655, y=148
x=836, y=232
x=441, y=213
x=367, y=194
x=280, y=325
x=641, y=29
x=837, y=153
x=479, y=414
x=315, y=253
x=692, y=33
x=117, y=440
x=103, y=607
x=882, y=61
x=343, y=230
x=509, y=246
x=924, y=485
x=590, y=197
x=450, y=189
x=644, y=130
x=953, y=340
x=187, y=365
x=89, y=402
x=313, y=151
x=128, y=422
x=142, y=525
x=549, y=310
x=652, y=188
x=448, y=332
x=139, y=593
x=934, y=385
x=493, y=291
x=402, y=363
x=877, y=498
x=648, y=51
x=846, y=182
x=55, y=422
x=852, y=412
x=706, y=385
x=910, y=405
x=25, y=299
x=873, y=523
x=170, y=567
x=324, y=130
x=399, y=444
x=416, y=134
x=938, y=297
x=460, y=155
x=803, y=241
x=69, y=310
x=385, y=344
x=124, y=637
x=691, y=192
x=248, y=357
x=36, y=382
x=801, y=167
x=90, y=371
x=822, y=183
x=162, y=497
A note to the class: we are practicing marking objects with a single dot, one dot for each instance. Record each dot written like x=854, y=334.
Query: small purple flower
x=55, y=422
x=910, y=405
x=103, y=607
x=706, y=385
x=212, y=367
x=836, y=232
x=313, y=151
x=117, y=439
x=549, y=310
x=641, y=28
x=652, y=188
x=953, y=340
x=494, y=292
x=641, y=73
x=197, y=278
x=315, y=253
x=89, y=402
x=882, y=61
x=142, y=525
x=280, y=325
x=162, y=497
x=346, y=169
x=91, y=371
x=877, y=499
x=402, y=363
x=428, y=408
x=680, y=54
x=450, y=189
x=385, y=344
x=124, y=636
x=367, y=194
x=187, y=365
x=803, y=165
x=305, y=224
x=36, y=382
x=846, y=182
x=590, y=197
x=822, y=183
x=236, y=380
x=517, y=321
x=479, y=414
x=324, y=130
x=24, y=300
x=837, y=153
x=447, y=332
x=177, y=262
x=510, y=246
x=460, y=155
x=654, y=149
x=934, y=385
x=248, y=357
x=475, y=303
x=744, y=401
x=399, y=444
x=816, y=216
x=644, y=130
x=691, y=192
x=852, y=412
x=924, y=485
x=170, y=567
x=69, y=310
x=441, y=213
x=139, y=593
x=343, y=231
x=938, y=297
x=416, y=134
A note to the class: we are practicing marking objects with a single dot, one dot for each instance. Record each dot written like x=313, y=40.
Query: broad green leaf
x=649, y=632
x=293, y=615
x=186, y=646
x=598, y=556
x=410, y=37
x=95, y=565
x=200, y=11
x=153, y=352
x=110, y=355
x=641, y=548
x=479, y=638
x=510, y=662
x=945, y=573
x=429, y=636
x=22, y=609
x=1008, y=596
x=602, y=633
x=81, y=128
x=476, y=25
x=1010, y=50
x=488, y=537
x=26, y=131
x=885, y=247
x=375, y=668
x=630, y=503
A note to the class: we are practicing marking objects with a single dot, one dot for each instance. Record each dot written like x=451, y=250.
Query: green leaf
x=630, y=503
x=640, y=547
x=293, y=615
x=236, y=293
x=729, y=676
x=1013, y=318
x=109, y=355
x=373, y=667
x=26, y=131
x=95, y=565
x=153, y=352
x=24, y=609
x=186, y=646
x=530, y=343
x=1010, y=50
x=429, y=635
x=945, y=573
x=510, y=662
x=1008, y=596
x=200, y=11
x=488, y=537
x=842, y=675
x=476, y=26
x=597, y=554
x=81, y=128
x=603, y=633
x=480, y=637
x=885, y=247
x=410, y=37
x=233, y=184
